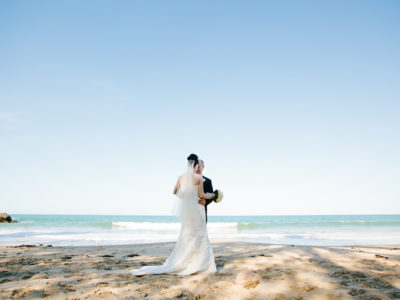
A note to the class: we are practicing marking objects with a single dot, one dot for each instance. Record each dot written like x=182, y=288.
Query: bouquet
x=218, y=196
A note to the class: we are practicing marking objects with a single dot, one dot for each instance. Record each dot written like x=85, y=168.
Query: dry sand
x=282, y=272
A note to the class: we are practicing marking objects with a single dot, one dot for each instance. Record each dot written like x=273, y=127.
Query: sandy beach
x=276, y=272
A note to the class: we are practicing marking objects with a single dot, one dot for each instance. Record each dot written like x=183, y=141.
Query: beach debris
x=66, y=257
x=132, y=255
x=49, y=246
x=23, y=245
x=381, y=256
x=107, y=255
x=247, y=279
x=261, y=254
x=6, y=218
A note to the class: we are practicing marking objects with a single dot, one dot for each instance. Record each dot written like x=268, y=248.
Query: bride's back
x=187, y=200
x=187, y=183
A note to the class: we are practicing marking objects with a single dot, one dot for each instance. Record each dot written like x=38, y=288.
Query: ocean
x=85, y=230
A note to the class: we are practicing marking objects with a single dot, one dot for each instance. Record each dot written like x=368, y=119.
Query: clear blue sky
x=293, y=105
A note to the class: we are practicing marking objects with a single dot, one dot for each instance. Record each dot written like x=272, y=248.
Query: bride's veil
x=186, y=205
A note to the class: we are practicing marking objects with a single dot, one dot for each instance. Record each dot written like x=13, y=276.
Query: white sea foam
x=115, y=237
x=147, y=225
x=167, y=226
x=115, y=230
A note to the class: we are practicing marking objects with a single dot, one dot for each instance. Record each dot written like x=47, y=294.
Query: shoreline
x=212, y=241
x=282, y=271
x=215, y=241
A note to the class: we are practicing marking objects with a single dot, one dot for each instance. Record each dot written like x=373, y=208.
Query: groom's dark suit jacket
x=208, y=188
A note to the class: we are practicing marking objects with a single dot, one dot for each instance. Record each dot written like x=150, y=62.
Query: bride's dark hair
x=194, y=158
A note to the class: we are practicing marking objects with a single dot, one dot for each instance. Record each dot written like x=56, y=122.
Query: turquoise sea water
x=75, y=230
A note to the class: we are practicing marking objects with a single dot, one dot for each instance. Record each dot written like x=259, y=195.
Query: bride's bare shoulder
x=196, y=178
x=182, y=177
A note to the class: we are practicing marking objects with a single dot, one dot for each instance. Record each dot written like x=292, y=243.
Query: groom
x=207, y=185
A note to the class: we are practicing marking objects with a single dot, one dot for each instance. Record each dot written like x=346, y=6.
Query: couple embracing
x=192, y=252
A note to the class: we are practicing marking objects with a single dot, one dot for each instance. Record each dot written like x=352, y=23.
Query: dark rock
x=23, y=245
x=6, y=218
x=132, y=255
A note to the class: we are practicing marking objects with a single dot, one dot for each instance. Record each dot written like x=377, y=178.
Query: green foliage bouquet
x=218, y=196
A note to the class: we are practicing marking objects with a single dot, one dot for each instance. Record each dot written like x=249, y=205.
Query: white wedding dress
x=192, y=252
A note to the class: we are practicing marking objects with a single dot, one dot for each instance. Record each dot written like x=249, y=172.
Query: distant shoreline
x=124, y=215
x=156, y=244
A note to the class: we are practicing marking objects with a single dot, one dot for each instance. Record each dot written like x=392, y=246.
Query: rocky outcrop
x=6, y=218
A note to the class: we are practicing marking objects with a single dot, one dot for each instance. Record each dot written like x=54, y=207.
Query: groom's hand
x=202, y=202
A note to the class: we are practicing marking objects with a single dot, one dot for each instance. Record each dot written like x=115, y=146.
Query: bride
x=192, y=252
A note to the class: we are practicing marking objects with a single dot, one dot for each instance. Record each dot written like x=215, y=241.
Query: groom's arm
x=208, y=201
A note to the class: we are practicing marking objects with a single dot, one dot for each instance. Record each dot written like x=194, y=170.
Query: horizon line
x=259, y=215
